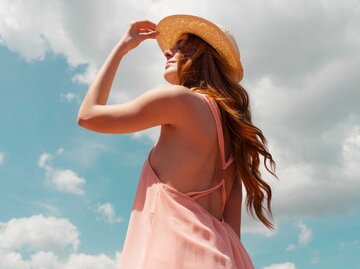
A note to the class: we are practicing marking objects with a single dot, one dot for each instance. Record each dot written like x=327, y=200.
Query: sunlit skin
x=173, y=55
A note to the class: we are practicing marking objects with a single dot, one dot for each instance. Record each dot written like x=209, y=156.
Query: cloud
x=351, y=153
x=83, y=261
x=49, y=260
x=317, y=188
x=45, y=247
x=67, y=181
x=2, y=157
x=249, y=225
x=60, y=151
x=107, y=212
x=350, y=244
x=287, y=265
x=12, y=260
x=305, y=236
x=37, y=233
x=86, y=152
x=48, y=207
x=69, y=97
x=63, y=180
x=44, y=159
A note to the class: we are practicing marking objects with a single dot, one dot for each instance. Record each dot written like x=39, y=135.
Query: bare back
x=187, y=158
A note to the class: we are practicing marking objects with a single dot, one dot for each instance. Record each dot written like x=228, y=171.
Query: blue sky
x=66, y=192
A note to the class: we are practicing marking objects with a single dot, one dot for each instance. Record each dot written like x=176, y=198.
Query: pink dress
x=168, y=229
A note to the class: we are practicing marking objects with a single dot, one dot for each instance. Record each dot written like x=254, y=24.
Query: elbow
x=87, y=123
x=82, y=118
x=81, y=121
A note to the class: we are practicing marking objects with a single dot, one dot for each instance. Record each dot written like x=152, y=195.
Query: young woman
x=187, y=209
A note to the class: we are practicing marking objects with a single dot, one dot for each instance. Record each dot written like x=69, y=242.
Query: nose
x=168, y=53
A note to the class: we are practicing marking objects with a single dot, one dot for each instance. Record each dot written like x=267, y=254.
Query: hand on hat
x=137, y=32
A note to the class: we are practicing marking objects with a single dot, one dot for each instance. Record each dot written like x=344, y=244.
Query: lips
x=168, y=62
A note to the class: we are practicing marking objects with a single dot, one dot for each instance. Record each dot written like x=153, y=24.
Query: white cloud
x=2, y=157
x=83, y=261
x=49, y=260
x=287, y=265
x=12, y=260
x=48, y=207
x=44, y=159
x=60, y=151
x=305, y=236
x=65, y=180
x=251, y=226
x=70, y=96
x=351, y=153
x=107, y=212
x=86, y=152
x=44, y=259
x=290, y=247
x=350, y=244
x=68, y=181
x=308, y=189
x=37, y=233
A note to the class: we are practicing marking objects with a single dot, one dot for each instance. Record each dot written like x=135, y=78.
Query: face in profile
x=173, y=56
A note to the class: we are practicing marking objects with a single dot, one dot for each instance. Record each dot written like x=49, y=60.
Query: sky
x=66, y=192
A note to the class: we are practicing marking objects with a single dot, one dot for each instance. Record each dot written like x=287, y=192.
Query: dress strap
x=197, y=194
x=216, y=113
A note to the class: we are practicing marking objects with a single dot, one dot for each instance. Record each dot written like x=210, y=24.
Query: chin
x=172, y=79
x=172, y=82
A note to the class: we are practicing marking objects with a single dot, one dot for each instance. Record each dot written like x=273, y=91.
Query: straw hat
x=172, y=27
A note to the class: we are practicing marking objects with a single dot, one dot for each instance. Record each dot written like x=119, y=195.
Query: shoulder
x=175, y=98
x=181, y=103
x=172, y=92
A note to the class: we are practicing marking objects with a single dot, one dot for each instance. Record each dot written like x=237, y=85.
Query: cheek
x=178, y=56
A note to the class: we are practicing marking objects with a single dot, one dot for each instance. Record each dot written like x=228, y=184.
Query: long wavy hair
x=202, y=70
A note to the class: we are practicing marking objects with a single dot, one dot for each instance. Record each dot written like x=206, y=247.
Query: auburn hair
x=202, y=70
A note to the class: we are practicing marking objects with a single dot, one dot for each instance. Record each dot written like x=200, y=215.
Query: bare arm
x=99, y=90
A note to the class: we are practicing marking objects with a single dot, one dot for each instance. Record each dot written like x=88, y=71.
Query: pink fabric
x=168, y=229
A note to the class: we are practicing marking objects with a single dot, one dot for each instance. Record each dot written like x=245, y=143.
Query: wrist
x=122, y=48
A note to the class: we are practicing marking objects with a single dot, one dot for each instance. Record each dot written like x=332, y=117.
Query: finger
x=149, y=32
x=142, y=30
x=145, y=24
x=152, y=34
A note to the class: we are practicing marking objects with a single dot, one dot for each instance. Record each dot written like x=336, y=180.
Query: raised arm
x=99, y=89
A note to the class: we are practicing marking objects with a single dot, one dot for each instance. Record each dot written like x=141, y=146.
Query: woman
x=187, y=208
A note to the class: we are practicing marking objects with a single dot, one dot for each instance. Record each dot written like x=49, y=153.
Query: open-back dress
x=168, y=229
